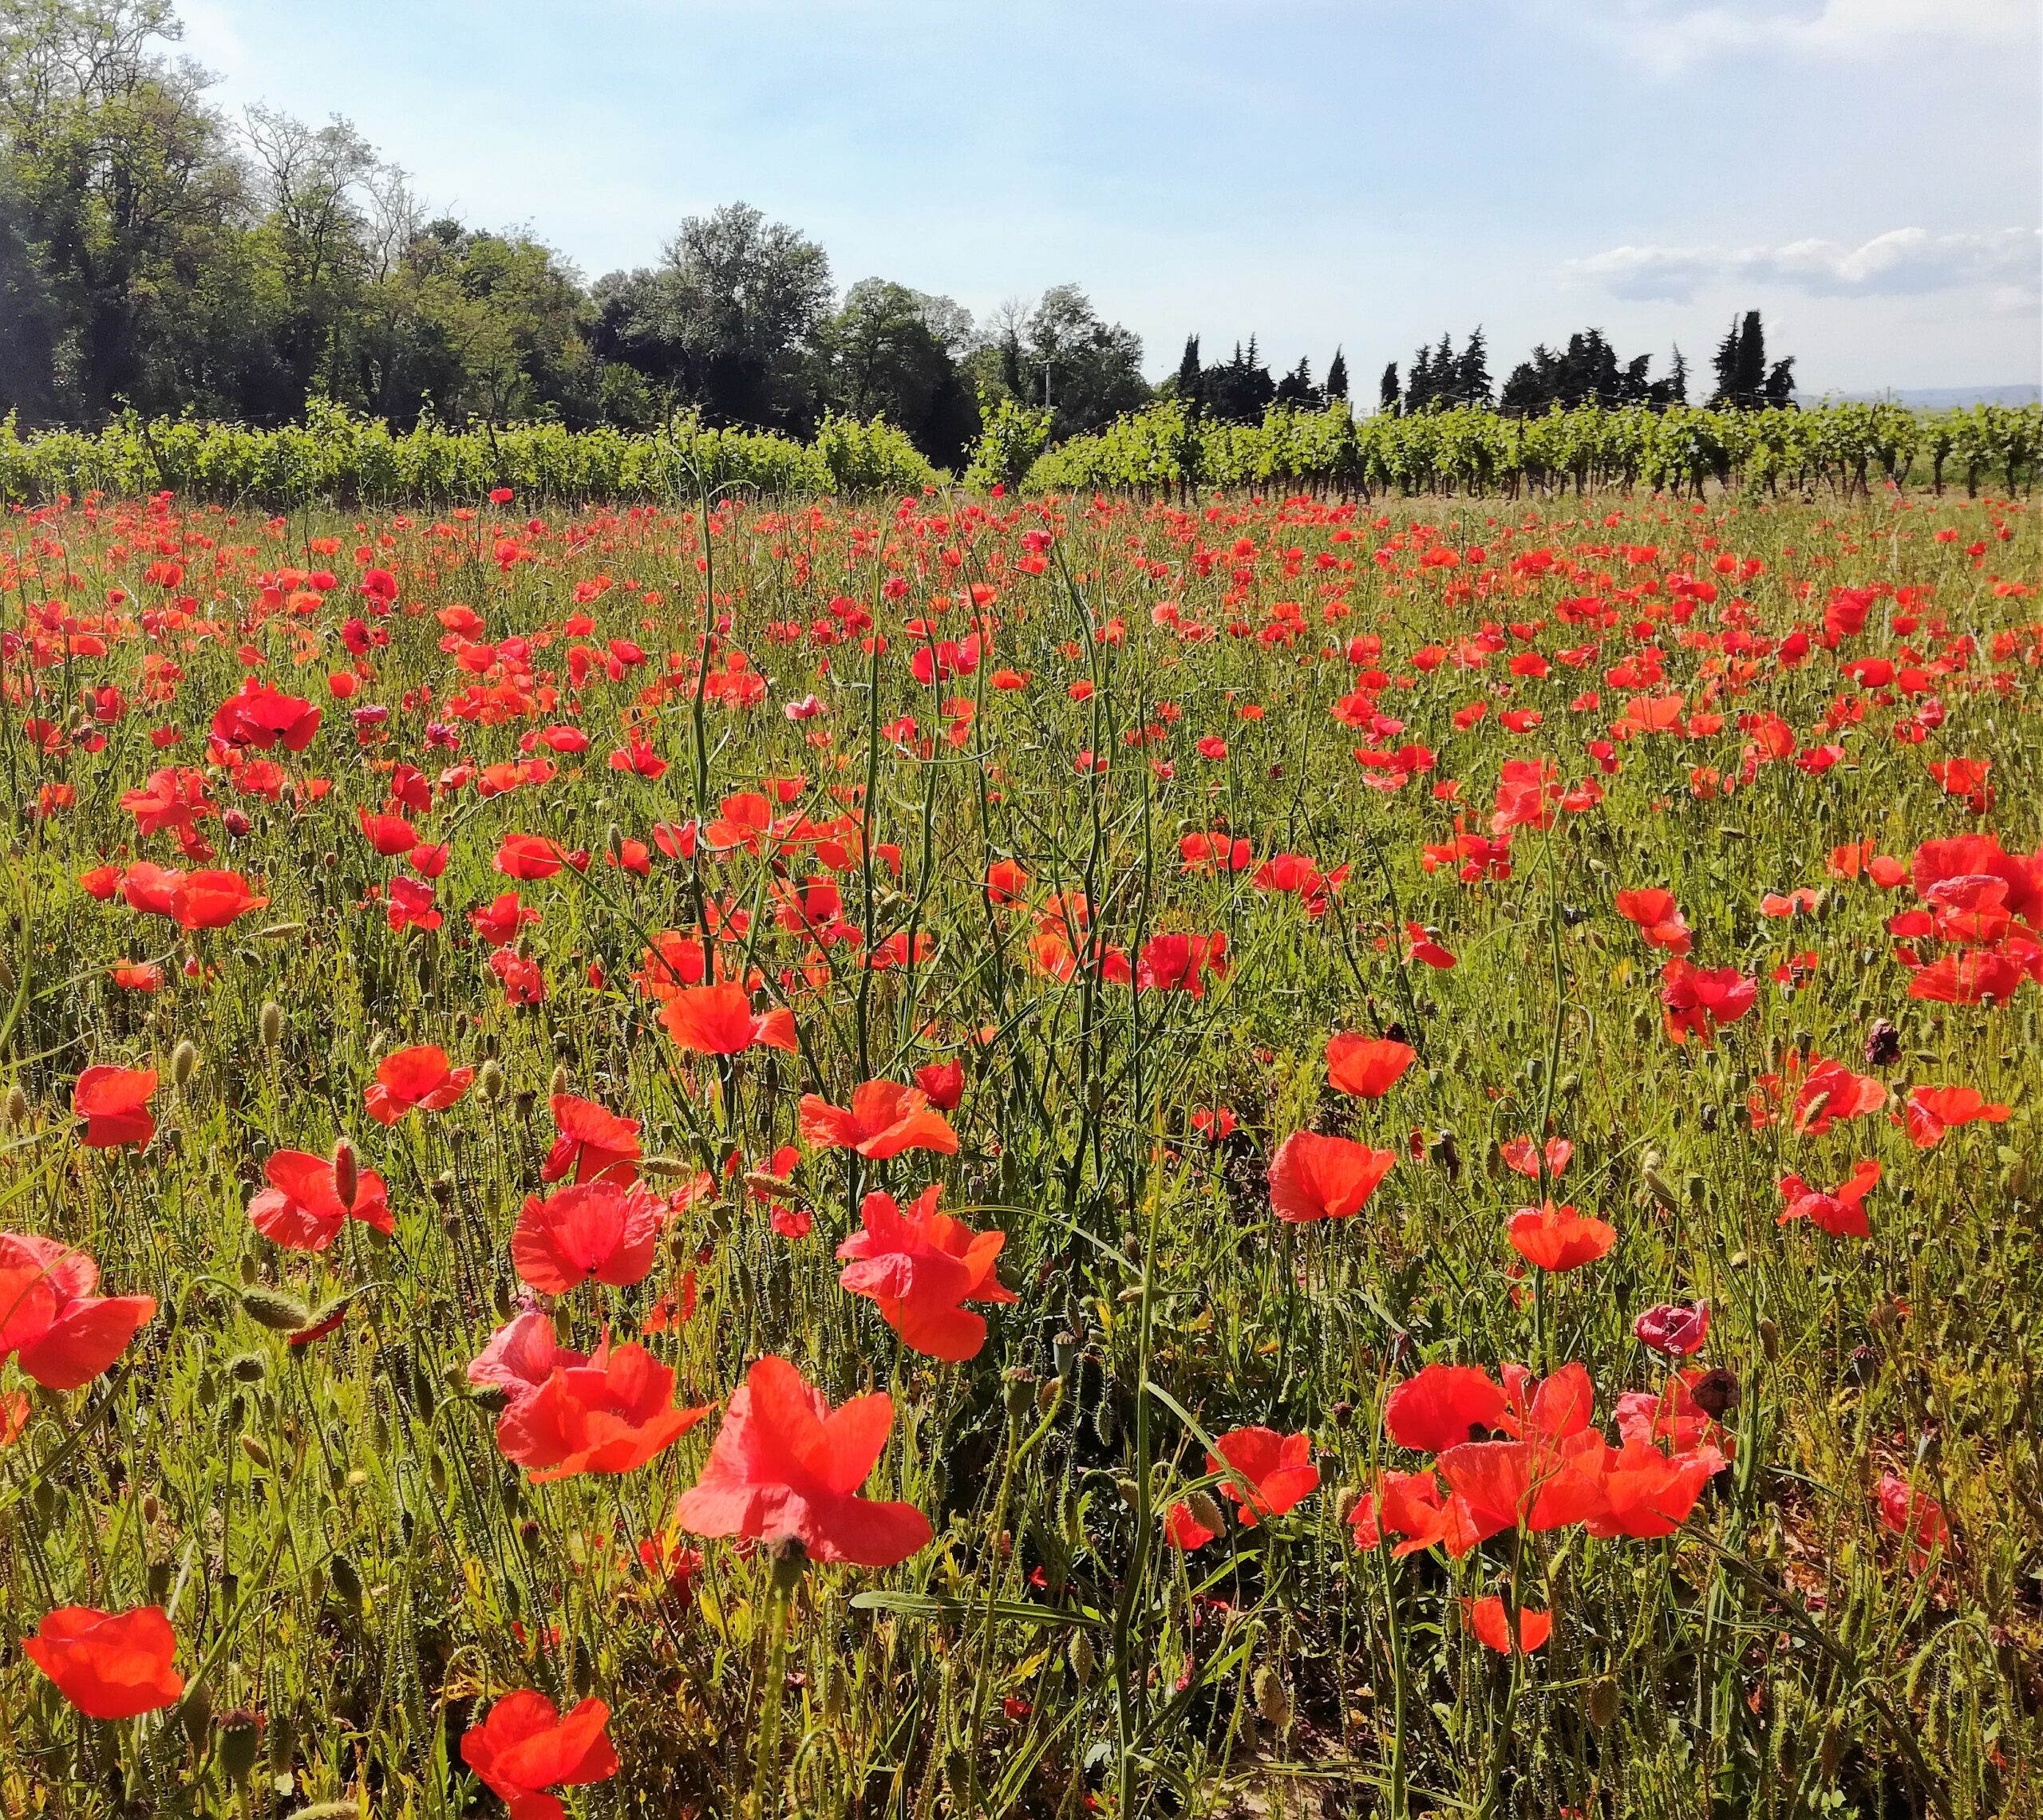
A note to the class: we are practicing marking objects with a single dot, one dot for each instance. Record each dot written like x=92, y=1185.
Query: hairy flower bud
x=184, y=1062
x=270, y=1023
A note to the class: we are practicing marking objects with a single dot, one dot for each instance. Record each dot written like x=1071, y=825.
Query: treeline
x=1168, y=448
x=1162, y=450
x=157, y=255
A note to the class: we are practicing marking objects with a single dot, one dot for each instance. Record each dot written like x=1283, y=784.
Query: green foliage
x=1011, y=438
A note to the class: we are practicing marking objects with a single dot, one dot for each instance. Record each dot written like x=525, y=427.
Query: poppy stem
x=766, y=1769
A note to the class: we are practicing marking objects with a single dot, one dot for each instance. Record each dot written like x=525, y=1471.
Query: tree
x=1187, y=379
x=1745, y=381
x=1471, y=384
x=892, y=353
x=1388, y=395
x=1089, y=372
x=1239, y=389
x=1337, y=377
x=1296, y=392
x=728, y=321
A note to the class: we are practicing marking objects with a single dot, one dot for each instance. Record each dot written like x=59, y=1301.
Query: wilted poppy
x=524, y=1746
x=917, y=1266
x=784, y=1464
x=109, y=1665
x=1674, y=1328
x=884, y=1120
x=114, y=1104
x=1316, y=1177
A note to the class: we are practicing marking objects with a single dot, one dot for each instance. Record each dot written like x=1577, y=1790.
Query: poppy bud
x=151, y=1508
x=195, y=1714
x=270, y=1023
x=558, y=1085
x=247, y=1368
x=1345, y=1501
x=277, y=931
x=157, y=1579
x=1603, y=1704
x=436, y=1473
x=1342, y=1413
x=1273, y=1698
x=1769, y=1338
x=272, y=1309
x=1049, y=1393
x=1205, y=1512
x=789, y=1556
x=256, y=1451
x=489, y=1082
x=1083, y=1661
x=18, y=1107
x=184, y=1062
x=347, y=1177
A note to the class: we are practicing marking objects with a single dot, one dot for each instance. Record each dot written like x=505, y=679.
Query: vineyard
x=1337, y=1118
x=1163, y=451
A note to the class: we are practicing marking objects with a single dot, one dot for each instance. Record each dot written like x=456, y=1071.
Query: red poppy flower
x=1673, y=1417
x=1277, y=1468
x=1824, y=1092
x=1658, y=918
x=257, y=717
x=1539, y=1484
x=1411, y=1505
x=1646, y=1495
x=601, y=1229
x=524, y=1746
x=1443, y=1407
x=113, y=1102
x=528, y=857
x=422, y=1077
x=1929, y=1112
x=592, y=1143
x=785, y=1464
x=1673, y=1329
x=1491, y=1625
x=610, y=1415
x=212, y=900
x=1698, y=999
x=1842, y=1214
x=301, y=1208
x=1912, y=1513
x=1006, y=882
x=1559, y=1238
x=521, y=1356
x=138, y=976
x=109, y=1665
x=499, y=921
x=718, y=1021
x=391, y=835
x=1366, y=1067
x=1522, y=1158
x=944, y=1083
x=64, y=1334
x=1316, y=1177
x=918, y=1267
x=1180, y=962
x=1556, y=1407
x=884, y=1120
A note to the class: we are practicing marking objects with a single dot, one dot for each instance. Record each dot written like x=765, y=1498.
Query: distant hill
x=1944, y=397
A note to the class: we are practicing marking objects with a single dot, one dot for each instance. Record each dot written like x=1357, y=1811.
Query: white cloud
x=1668, y=35
x=1904, y=262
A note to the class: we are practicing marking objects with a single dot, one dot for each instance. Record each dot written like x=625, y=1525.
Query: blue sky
x=1370, y=173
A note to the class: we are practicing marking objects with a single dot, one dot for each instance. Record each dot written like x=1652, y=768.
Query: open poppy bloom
x=1556, y=1407
x=1559, y=1238
x=784, y=1464
x=520, y=1356
x=1180, y=963
x=884, y=1120
x=109, y=1665
x=1930, y=1111
x=1697, y=999
x=525, y=1746
x=1658, y=918
x=422, y=1077
x=301, y=1208
x=1443, y=1407
x=1366, y=1067
x=601, y=1229
x=211, y=900
x=611, y=1414
x=1538, y=1484
x=1316, y=1177
x=1842, y=1214
x=257, y=717
x=1278, y=1469
x=1412, y=1504
x=114, y=1104
x=592, y=1143
x=718, y=1021
x=1674, y=1416
x=1824, y=1092
x=1914, y=1514
x=64, y=1336
x=1645, y=1493
x=918, y=1267
x=1491, y=1625
x=1521, y=1157
x=528, y=857
x=944, y=1083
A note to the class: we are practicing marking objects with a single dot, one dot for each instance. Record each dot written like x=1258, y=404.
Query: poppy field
x=966, y=1154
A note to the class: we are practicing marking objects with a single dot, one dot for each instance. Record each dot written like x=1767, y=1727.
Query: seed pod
x=347, y=1173
x=184, y=1062
x=270, y=1023
x=1603, y=1704
x=272, y=1309
x=1273, y=1698
x=1083, y=1661
x=240, y=1735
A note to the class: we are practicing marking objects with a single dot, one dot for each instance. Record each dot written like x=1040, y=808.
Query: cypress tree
x=1337, y=377
x=1387, y=391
